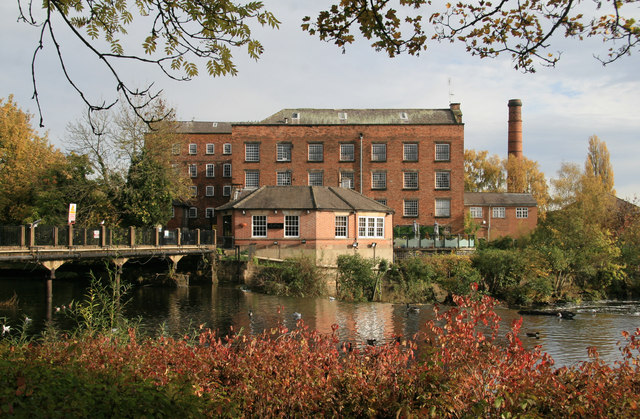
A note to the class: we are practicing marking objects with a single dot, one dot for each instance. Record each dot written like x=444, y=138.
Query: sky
x=562, y=106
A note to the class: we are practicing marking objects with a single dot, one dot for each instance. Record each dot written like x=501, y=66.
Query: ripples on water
x=222, y=307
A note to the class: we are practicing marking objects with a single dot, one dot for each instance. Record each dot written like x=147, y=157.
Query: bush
x=296, y=277
x=356, y=278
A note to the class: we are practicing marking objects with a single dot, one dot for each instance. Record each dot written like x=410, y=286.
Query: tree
x=524, y=176
x=483, y=173
x=178, y=34
x=597, y=165
x=487, y=29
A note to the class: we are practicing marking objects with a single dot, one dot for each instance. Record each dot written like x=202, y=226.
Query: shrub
x=297, y=277
x=356, y=278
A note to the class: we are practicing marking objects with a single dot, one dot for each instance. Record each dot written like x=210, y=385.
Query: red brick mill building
x=411, y=160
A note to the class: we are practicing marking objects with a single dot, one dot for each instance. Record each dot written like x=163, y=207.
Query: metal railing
x=444, y=242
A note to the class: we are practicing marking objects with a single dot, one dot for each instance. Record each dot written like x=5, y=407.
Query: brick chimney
x=457, y=113
x=515, y=127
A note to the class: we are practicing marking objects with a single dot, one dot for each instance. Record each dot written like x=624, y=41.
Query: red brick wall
x=494, y=228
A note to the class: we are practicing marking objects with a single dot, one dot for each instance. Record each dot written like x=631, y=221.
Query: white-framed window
x=378, y=152
x=283, y=178
x=382, y=201
x=283, y=152
x=442, y=152
x=210, y=190
x=404, y=116
x=175, y=149
x=208, y=212
x=347, y=152
x=347, y=180
x=342, y=224
x=371, y=227
x=476, y=212
x=193, y=148
x=316, y=152
x=443, y=207
x=252, y=152
x=226, y=170
x=194, y=190
x=173, y=212
x=211, y=148
x=316, y=179
x=522, y=212
x=193, y=212
x=498, y=212
x=410, y=208
x=443, y=180
x=410, y=180
x=193, y=170
x=291, y=226
x=226, y=190
x=211, y=170
x=379, y=180
x=226, y=148
x=251, y=179
x=259, y=226
x=342, y=116
x=410, y=152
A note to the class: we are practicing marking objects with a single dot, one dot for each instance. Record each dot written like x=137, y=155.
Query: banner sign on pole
x=72, y=213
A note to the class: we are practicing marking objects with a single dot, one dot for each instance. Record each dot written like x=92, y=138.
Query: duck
x=297, y=315
x=533, y=335
x=412, y=309
x=371, y=342
x=5, y=329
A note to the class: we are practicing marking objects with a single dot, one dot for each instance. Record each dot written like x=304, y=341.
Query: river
x=223, y=306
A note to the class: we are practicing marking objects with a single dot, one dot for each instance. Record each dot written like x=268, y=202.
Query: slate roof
x=306, y=116
x=306, y=198
x=485, y=199
x=204, y=127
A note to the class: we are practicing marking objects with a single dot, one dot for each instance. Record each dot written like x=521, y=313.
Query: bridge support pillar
x=174, y=261
x=51, y=265
x=119, y=262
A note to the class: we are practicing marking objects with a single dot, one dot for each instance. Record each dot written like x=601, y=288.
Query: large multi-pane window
x=341, y=225
x=226, y=190
x=193, y=212
x=370, y=226
x=522, y=212
x=347, y=180
x=476, y=212
x=378, y=180
x=291, y=226
x=410, y=152
x=410, y=208
x=443, y=207
x=283, y=152
x=382, y=201
x=252, y=152
x=226, y=170
x=193, y=170
x=226, y=148
x=410, y=180
x=315, y=179
x=498, y=212
x=283, y=178
x=208, y=213
x=251, y=179
x=259, y=226
x=347, y=152
x=193, y=148
x=211, y=148
x=378, y=152
x=443, y=180
x=442, y=152
x=211, y=170
x=316, y=152
x=210, y=190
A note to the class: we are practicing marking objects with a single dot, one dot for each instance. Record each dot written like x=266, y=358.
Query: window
x=315, y=179
x=379, y=180
x=211, y=170
x=283, y=152
x=291, y=226
x=370, y=226
x=442, y=180
x=346, y=179
x=252, y=152
x=226, y=190
x=193, y=212
x=259, y=226
x=522, y=212
x=208, y=213
x=283, y=178
x=410, y=208
x=193, y=170
x=443, y=207
x=342, y=116
x=173, y=212
x=295, y=115
x=410, y=152
x=442, y=152
x=498, y=212
x=226, y=170
x=347, y=152
x=410, y=180
x=194, y=190
x=476, y=212
x=404, y=116
x=251, y=179
x=316, y=152
x=193, y=148
x=378, y=152
x=175, y=149
x=341, y=225
x=382, y=201
x=226, y=148
x=211, y=149
x=210, y=190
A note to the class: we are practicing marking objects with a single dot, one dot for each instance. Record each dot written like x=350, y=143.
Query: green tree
x=524, y=176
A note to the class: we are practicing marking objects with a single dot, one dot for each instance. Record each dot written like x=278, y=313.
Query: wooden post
x=32, y=236
x=178, y=236
x=132, y=236
x=157, y=236
x=22, y=236
x=55, y=236
x=103, y=236
x=70, y=235
x=198, y=237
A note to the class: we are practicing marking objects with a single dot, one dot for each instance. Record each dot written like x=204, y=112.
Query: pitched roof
x=485, y=199
x=204, y=127
x=307, y=116
x=306, y=197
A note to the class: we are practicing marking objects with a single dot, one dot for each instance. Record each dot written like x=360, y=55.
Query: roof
x=306, y=198
x=485, y=199
x=204, y=127
x=306, y=116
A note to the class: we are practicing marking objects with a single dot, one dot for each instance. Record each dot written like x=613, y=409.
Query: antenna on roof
x=450, y=92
